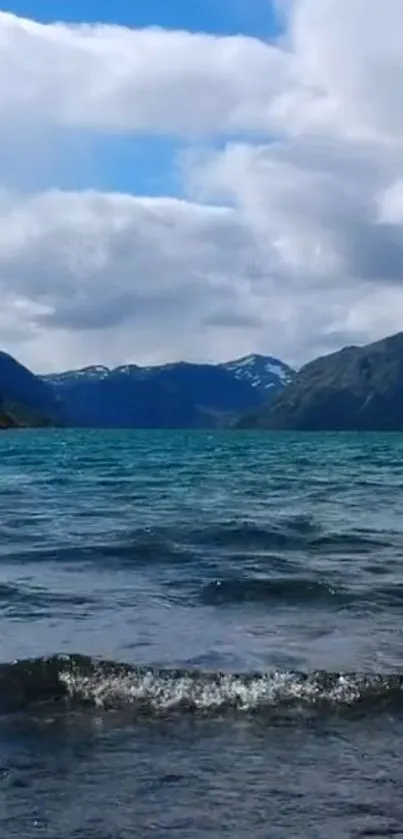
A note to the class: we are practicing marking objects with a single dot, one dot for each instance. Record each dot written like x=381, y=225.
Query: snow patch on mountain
x=96, y=371
x=262, y=372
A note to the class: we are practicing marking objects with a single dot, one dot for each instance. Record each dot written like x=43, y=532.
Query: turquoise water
x=213, y=628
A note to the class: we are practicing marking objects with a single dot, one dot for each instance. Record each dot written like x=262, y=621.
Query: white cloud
x=304, y=251
x=338, y=68
x=111, y=78
x=348, y=61
x=315, y=202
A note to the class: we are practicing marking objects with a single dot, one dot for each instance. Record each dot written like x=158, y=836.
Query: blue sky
x=254, y=17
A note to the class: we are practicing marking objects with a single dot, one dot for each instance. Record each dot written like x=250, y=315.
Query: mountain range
x=354, y=389
x=176, y=395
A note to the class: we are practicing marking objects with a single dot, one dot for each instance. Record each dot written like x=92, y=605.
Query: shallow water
x=207, y=635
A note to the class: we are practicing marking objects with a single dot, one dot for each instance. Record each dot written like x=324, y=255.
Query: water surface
x=201, y=635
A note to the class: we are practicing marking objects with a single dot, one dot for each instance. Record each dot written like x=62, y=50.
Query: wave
x=131, y=550
x=285, y=539
x=84, y=681
x=8, y=591
x=248, y=536
x=350, y=542
x=285, y=589
x=290, y=534
x=20, y=599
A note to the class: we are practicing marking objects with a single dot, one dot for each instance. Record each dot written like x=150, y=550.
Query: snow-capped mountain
x=178, y=394
x=92, y=373
x=262, y=372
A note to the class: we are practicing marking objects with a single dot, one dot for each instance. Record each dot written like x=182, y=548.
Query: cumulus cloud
x=292, y=243
x=318, y=199
x=348, y=57
x=155, y=273
x=118, y=278
x=338, y=67
x=111, y=78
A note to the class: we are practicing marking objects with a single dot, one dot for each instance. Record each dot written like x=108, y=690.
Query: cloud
x=316, y=202
x=151, y=273
x=111, y=78
x=291, y=243
x=88, y=277
x=348, y=61
x=338, y=67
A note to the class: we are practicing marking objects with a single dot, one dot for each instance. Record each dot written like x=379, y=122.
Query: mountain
x=94, y=373
x=25, y=400
x=173, y=396
x=177, y=395
x=262, y=372
x=355, y=389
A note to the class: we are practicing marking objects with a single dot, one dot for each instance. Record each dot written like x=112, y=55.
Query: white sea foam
x=160, y=691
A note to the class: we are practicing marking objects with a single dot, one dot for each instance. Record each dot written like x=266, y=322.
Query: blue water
x=201, y=635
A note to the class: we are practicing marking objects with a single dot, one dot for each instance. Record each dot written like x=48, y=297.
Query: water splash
x=75, y=679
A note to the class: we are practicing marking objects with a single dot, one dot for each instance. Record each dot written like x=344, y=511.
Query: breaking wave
x=78, y=680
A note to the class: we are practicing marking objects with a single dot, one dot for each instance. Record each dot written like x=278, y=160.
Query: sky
x=199, y=180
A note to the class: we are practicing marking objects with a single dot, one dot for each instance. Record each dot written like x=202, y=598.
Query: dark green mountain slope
x=25, y=400
x=355, y=389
